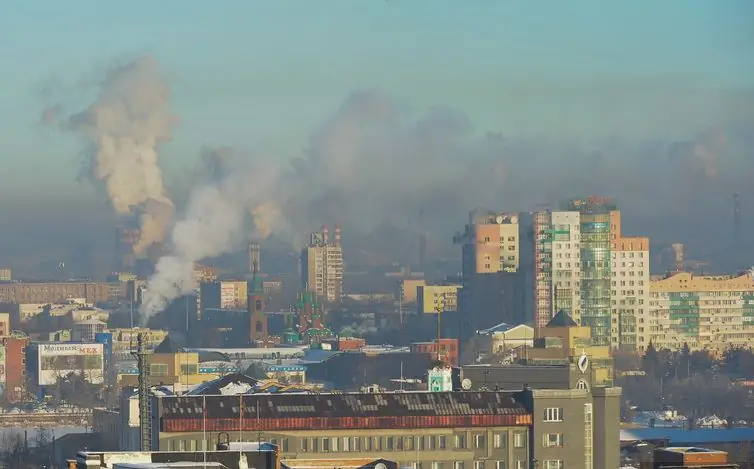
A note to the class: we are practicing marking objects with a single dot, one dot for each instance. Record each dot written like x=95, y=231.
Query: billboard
x=59, y=360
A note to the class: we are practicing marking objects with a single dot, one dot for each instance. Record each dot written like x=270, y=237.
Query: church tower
x=257, y=318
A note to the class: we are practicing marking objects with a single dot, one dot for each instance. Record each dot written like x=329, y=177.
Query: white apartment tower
x=584, y=265
x=322, y=266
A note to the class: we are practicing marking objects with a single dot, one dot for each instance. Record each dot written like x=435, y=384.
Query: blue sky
x=252, y=73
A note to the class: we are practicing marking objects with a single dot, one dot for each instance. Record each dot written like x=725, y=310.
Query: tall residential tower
x=322, y=266
x=586, y=267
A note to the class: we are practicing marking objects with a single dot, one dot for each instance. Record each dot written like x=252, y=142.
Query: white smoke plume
x=124, y=129
x=221, y=213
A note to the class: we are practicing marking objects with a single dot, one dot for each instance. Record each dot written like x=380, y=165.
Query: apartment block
x=704, y=312
x=630, y=285
x=497, y=258
x=583, y=265
x=322, y=266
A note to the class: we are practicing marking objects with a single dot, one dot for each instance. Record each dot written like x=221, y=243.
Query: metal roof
x=268, y=406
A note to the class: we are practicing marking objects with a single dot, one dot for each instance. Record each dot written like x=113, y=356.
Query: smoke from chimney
x=123, y=130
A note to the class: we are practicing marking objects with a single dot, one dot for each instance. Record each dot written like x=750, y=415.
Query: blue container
x=106, y=339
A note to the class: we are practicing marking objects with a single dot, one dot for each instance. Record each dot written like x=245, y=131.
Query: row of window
x=405, y=443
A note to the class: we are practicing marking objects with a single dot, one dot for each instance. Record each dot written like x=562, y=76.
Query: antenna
x=145, y=401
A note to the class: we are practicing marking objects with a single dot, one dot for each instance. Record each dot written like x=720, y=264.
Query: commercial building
x=586, y=267
x=170, y=364
x=4, y=325
x=434, y=298
x=704, y=312
x=124, y=339
x=445, y=428
x=6, y=275
x=48, y=362
x=60, y=292
x=575, y=408
x=87, y=330
x=497, y=261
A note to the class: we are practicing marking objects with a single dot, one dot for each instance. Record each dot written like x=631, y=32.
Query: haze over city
x=502, y=105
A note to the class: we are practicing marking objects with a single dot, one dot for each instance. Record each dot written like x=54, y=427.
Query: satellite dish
x=466, y=384
x=380, y=465
x=499, y=219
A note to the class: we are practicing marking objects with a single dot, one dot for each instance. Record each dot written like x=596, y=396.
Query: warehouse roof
x=344, y=405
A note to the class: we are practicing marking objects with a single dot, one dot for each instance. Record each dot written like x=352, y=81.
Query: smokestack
x=736, y=219
x=254, y=257
x=337, y=234
x=678, y=251
x=422, y=251
x=325, y=234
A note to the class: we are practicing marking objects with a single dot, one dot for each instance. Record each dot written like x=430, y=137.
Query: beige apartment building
x=704, y=312
x=322, y=266
x=630, y=285
x=408, y=288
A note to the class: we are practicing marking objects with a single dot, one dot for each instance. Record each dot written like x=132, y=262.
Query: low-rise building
x=448, y=350
x=48, y=362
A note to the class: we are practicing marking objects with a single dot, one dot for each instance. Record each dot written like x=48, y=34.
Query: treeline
x=695, y=383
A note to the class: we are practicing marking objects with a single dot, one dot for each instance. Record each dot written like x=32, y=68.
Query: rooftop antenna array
x=145, y=401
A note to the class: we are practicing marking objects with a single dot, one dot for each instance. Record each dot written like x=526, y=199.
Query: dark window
x=258, y=326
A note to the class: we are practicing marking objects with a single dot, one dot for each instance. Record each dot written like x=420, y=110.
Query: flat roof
x=690, y=449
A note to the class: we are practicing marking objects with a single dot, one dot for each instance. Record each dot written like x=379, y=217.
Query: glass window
x=480, y=441
x=498, y=440
x=519, y=440
x=553, y=414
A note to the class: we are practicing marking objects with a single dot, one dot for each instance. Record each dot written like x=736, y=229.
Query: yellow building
x=407, y=289
x=433, y=298
x=125, y=339
x=169, y=365
x=563, y=340
x=4, y=325
x=704, y=312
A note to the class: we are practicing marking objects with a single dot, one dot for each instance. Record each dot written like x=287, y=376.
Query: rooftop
x=399, y=404
x=691, y=449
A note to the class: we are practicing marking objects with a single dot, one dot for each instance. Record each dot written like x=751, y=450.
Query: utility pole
x=145, y=400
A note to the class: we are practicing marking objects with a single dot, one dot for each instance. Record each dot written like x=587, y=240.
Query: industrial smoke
x=376, y=163
x=220, y=215
x=123, y=129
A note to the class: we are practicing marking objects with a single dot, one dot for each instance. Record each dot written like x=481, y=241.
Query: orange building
x=448, y=350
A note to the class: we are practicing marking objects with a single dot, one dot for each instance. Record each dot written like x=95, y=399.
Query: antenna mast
x=145, y=401
x=736, y=219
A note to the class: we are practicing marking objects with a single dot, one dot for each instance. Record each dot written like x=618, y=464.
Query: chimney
x=254, y=257
x=325, y=234
x=337, y=234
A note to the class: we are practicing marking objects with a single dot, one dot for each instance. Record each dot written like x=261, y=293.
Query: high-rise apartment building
x=585, y=267
x=322, y=266
x=497, y=254
x=703, y=312
x=630, y=285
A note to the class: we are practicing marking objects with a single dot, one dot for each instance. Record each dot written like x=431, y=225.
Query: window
x=389, y=443
x=478, y=464
x=441, y=442
x=460, y=442
x=325, y=444
x=519, y=440
x=553, y=464
x=552, y=440
x=189, y=369
x=520, y=464
x=458, y=465
x=553, y=414
x=500, y=465
x=437, y=465
x=158, y=369
x=498, y=440
x=479, y=441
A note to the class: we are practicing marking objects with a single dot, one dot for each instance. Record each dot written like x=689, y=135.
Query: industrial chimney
x=337, y=234
x=254, y=257
x=678, y=251
x=325, y=234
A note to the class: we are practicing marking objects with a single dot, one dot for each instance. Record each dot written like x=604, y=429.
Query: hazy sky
x=250, y=73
